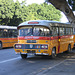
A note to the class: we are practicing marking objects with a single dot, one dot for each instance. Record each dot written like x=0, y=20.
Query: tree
x=12, y=13
x=43, y=12
x=63, y=6
x=6, y=11
x=32, y=11
x=20, y=13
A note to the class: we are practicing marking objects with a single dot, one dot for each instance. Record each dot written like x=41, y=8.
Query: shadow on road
x=6, y=48
x=62, y=56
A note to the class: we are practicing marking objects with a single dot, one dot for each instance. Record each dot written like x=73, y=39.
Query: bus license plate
x=29, y=52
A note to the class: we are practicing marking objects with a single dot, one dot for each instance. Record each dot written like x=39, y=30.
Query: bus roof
x=7, y=27
x=46, y=23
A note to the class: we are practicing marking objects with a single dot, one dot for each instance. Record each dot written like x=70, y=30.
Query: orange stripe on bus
x=43, y=38
x=8, y=38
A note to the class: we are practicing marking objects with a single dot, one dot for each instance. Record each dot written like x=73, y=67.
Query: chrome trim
x=42, y=54
x=34, y=53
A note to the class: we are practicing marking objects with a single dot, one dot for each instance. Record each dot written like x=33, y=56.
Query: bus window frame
x=36, y=27
x=59, y=34
x=65, y=32
x=51, y=32
x=7, y=35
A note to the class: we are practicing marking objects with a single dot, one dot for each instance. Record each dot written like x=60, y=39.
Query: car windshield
x=34, y=31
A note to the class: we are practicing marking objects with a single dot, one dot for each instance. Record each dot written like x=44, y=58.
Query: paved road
x=11, y=64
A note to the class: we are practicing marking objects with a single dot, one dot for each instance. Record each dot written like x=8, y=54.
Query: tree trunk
x=63, y=6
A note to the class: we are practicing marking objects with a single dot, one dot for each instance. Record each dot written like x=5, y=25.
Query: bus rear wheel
x=69, y=48
x=53, y=53
x=23, y=56
x=0, y=45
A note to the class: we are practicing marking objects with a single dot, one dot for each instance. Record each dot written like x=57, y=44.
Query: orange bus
x=8, y=36
x=44, y=37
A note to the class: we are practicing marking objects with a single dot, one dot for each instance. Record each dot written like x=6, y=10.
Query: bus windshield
x=34, y=31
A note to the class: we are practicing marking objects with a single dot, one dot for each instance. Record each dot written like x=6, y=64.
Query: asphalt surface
x=12, y=64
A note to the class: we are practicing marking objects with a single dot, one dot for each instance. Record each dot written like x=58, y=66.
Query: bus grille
x=31, y=46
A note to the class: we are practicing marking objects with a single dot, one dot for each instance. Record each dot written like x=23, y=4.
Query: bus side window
x=10, y=33
x=68, y=31
x=55, y=31
x=5, y=33
x=71, y=31
x=51, y=34
x=1, y=33
x=13, y=33
x=46, y=32
x=62, y=31
x=74, y=31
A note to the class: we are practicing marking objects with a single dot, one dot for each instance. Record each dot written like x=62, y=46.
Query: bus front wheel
x=53, y=53
x=24, y=56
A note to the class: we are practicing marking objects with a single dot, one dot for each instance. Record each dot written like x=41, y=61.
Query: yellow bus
x=44, y=37
x=8, y=36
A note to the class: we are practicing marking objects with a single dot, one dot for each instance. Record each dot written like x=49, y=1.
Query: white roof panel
x=7, y=27
x=41, y=22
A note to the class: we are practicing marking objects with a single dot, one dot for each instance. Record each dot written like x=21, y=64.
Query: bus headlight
x=44, y=46
x=18, y=46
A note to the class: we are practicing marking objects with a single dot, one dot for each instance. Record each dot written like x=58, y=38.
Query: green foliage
x=6, y=12
x=43, y=12
x=13, y=13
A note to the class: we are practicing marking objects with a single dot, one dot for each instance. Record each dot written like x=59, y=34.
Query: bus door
x=62, y=39
x=55, y=36
x=58, y=38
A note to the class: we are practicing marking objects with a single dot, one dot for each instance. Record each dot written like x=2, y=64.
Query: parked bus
x=8, y=36
x=44, y=37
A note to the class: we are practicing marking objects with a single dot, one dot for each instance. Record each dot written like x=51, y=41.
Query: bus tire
x=23, y=56
x=0, y=45
x=69, y=48
x=53, y=53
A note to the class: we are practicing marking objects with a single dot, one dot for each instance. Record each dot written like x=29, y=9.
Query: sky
x=63, y=19
x=32, y=1
x=35, y=1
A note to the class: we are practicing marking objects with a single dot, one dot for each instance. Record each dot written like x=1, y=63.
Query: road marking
x=50, y=68
x=9, y=60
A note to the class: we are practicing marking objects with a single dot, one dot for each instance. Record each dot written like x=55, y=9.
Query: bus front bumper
x=33, y=53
